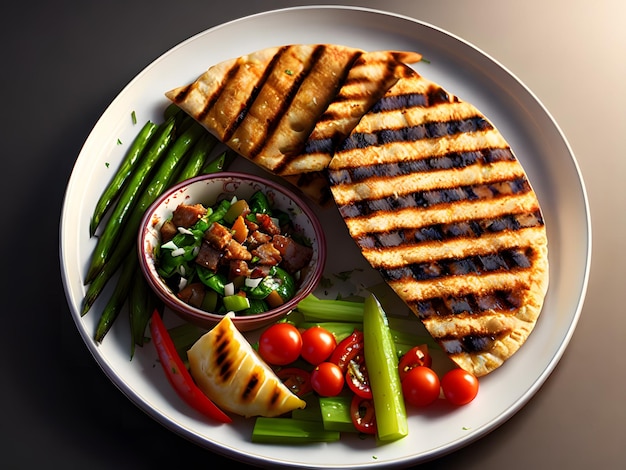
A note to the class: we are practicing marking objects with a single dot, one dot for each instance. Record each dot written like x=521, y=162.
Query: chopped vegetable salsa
x=238, y=255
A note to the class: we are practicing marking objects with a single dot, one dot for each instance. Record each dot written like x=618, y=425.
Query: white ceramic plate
x=454, y=64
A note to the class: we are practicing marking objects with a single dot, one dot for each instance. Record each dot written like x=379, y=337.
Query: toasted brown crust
x=285, y=108
x=436, y=200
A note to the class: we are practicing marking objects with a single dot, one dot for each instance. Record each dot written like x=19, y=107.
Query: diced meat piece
x=208, y=257
x=251, y=225
x=192, y=294
x=218, y=236
x=238, y=268
x=295, y=255
x=168, y=230
x=267, y=225
x=235, y=250
x=257, y=238
x=260, y=271
x=268, y=254
x=186, y=216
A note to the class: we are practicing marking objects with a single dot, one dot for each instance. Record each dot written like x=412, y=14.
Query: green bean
x=219, y=163
x=126, y=167
x=141, y=303
x=197, y=157
x=127, y=238
x=117, y=299
x=107, y=240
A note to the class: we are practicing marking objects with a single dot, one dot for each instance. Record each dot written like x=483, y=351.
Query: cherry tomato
x=363, y=416
x=327, y=379
x=421, y=386
x=348, y=349
x=280, y=344
x=296, y=379
x=357, y=379
x=317, y=344
x=414, y=357
x=459, y=386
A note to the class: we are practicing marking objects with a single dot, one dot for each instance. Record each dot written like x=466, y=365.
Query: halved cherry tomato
x=296, y=379
x=363, y=416
x=459, y=386
x=280, y=344
x=178, y=375
x=414, y=357
x=327, y=379
x=317, y=344
x=348, y=349
x=357, y=378
x=421, y=386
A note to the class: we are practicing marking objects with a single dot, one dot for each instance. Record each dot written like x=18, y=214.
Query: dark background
x=63, y=62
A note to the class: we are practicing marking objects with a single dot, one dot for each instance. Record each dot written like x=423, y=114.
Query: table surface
x=63, y=64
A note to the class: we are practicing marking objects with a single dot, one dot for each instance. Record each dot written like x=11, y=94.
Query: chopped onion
x=169, y=245
x=253, y=282
x=184, y=231
x=182, y=283
x=229, y=289
x=178, y=252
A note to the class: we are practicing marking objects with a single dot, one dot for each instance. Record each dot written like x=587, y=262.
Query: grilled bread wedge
x=285, y=108
x=437, y=202
x=230, y=372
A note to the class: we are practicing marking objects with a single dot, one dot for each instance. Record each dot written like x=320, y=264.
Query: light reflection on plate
x=454, y=64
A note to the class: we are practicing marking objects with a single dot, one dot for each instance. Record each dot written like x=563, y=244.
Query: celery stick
x=315, y=309
x=382, y=368
x=311, y=412
x=291, y=431
x=340, y=330
x=336, y=413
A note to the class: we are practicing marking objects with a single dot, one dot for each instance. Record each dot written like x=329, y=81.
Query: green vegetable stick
x=382, y=368
x=291, y=431
x=132, y=190
x=121, y=175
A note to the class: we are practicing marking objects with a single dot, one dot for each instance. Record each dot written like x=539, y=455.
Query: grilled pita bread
x=230, y=372
x=286, y=108
x=438, y=203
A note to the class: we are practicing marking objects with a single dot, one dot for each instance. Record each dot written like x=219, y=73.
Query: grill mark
x=330, y=143
x=476, y=343
x=429, y=130
x=509, y=260
x=440, y=232
x=232, y=128
x=252, y=385
x=213, y=98
x=447, y=161
x=433, y=96
x=286, y=102
x=436, y=197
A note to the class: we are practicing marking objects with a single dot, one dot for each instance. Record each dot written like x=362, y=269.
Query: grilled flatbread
x=438, y=203
x=286, y=108
x=230, y=372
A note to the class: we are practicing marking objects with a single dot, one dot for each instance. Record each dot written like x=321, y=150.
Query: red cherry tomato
x=357, y=379
x=327, y=379
x=459, y=386
x=280, y=344
x=414, y=357
x=296, y=379
x=363, y=416
x=421, y=386
x=348, y=349
x=317, y=344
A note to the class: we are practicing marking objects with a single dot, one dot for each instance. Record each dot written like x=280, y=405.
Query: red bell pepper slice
x=178, y=375
x=414, y=357
x=296, y=379
x=363, y=416
x=348, y=349
x=357, y=378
